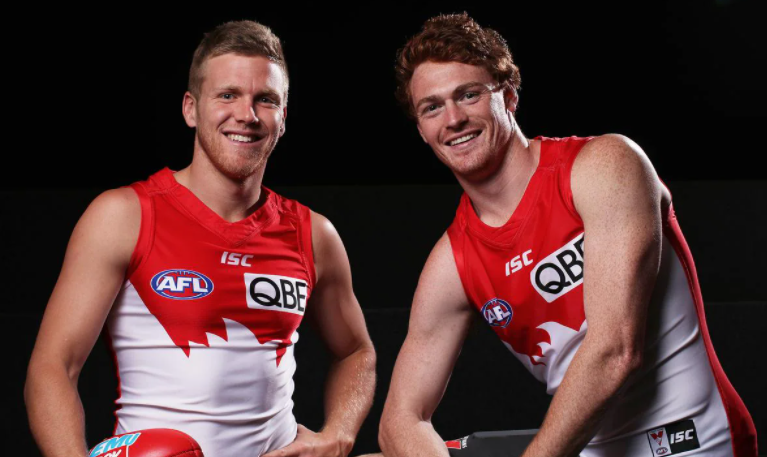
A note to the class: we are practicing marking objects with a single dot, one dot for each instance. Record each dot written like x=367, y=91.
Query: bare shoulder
x=441, y=262
x=611, y=152
x=118, y=209
x=322, y=228
x=112, y=222
x=613, y=167
x=330, y=257
x=440, y=284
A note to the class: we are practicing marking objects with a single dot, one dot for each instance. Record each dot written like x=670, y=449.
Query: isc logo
x=516, y=264
x=275, y=293
x=673, y=438
x=234, y=258
x=497, y=312
x=181, y=284
x=678, y=437
x=560, y=272
x=103, y=448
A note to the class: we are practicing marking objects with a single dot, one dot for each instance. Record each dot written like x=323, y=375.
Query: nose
x=246, y=114
x=456, y=116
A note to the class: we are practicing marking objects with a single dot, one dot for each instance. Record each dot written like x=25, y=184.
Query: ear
x=511, y=98
x=420, y=132
x=189, y=109
x=284, y=118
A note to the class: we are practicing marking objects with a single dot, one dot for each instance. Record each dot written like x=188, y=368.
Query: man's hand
x=310, y=444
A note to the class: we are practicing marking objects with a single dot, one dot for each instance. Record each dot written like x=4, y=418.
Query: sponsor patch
x=673, y=438
x=560, y=272
x=497, y=312
x=275, y=293
x=181, y=284
x=114, y=447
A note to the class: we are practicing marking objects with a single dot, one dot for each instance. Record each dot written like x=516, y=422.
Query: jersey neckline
x=234, y=232
x=505, y=234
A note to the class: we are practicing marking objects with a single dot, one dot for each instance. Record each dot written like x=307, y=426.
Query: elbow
x=385, y=432
x=386, y=428
x=364, y=354
x=29, y=382
x=369, y=354
x=617, y=361
x=625, y=363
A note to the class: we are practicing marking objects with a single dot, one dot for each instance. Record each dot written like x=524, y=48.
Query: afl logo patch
x=497, y=313
x=181, y=284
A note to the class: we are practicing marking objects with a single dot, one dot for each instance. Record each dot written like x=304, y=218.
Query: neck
x=232, y=199
x=496, y=197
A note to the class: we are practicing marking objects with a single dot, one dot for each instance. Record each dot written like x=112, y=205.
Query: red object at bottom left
x=153, y=442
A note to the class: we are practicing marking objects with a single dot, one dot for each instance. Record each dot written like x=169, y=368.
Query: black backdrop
x=96, y=97
x=100, y=92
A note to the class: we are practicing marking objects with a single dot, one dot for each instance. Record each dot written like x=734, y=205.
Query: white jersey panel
x=676, y=381
x=232, y=397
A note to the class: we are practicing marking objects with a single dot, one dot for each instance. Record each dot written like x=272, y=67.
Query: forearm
x=55, y=411
x=349, y=394
x=404, y=434
x=594, y=378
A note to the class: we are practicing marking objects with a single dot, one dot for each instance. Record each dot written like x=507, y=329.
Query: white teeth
x=463, y=139
x=240, y=138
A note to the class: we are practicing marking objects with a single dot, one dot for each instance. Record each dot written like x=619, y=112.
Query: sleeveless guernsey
x=204, y=326
x=526, y=277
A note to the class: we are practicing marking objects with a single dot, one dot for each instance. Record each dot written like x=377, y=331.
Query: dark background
x=685, y=80
x=98, y=105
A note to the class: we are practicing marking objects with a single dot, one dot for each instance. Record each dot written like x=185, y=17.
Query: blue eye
x=227, y=96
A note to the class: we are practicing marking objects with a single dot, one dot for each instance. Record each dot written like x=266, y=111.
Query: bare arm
x=351, y=379
x=93, y=271
x=618, y=196
x=439, y=321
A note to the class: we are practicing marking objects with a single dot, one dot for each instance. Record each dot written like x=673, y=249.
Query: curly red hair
x=454, y=38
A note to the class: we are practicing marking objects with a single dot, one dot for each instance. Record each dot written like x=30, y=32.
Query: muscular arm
x=618, y=196
x=439, y=321
x=334, y=310
x=94, y=267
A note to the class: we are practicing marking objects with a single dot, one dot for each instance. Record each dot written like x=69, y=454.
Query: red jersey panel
x=526, y=277
x=203, y=330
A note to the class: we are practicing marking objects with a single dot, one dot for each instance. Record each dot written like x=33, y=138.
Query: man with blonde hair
x=202, y=277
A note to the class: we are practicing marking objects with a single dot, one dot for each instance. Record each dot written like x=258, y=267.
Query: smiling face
x=239, y=114
x=464, y=116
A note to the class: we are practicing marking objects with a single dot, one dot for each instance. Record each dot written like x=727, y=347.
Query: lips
x=463, y=138
x=244, y=138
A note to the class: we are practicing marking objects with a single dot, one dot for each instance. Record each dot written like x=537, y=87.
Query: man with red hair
x=570, y=250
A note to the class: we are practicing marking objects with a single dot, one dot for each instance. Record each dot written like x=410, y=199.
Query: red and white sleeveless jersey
x=204, y=326
x=526, y=278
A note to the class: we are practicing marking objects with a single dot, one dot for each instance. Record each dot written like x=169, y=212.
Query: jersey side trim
x=742, y=428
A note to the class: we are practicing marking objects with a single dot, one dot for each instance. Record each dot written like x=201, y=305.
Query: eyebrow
x=461, y=88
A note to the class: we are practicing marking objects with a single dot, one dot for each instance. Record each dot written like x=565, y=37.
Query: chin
x=477, y=165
